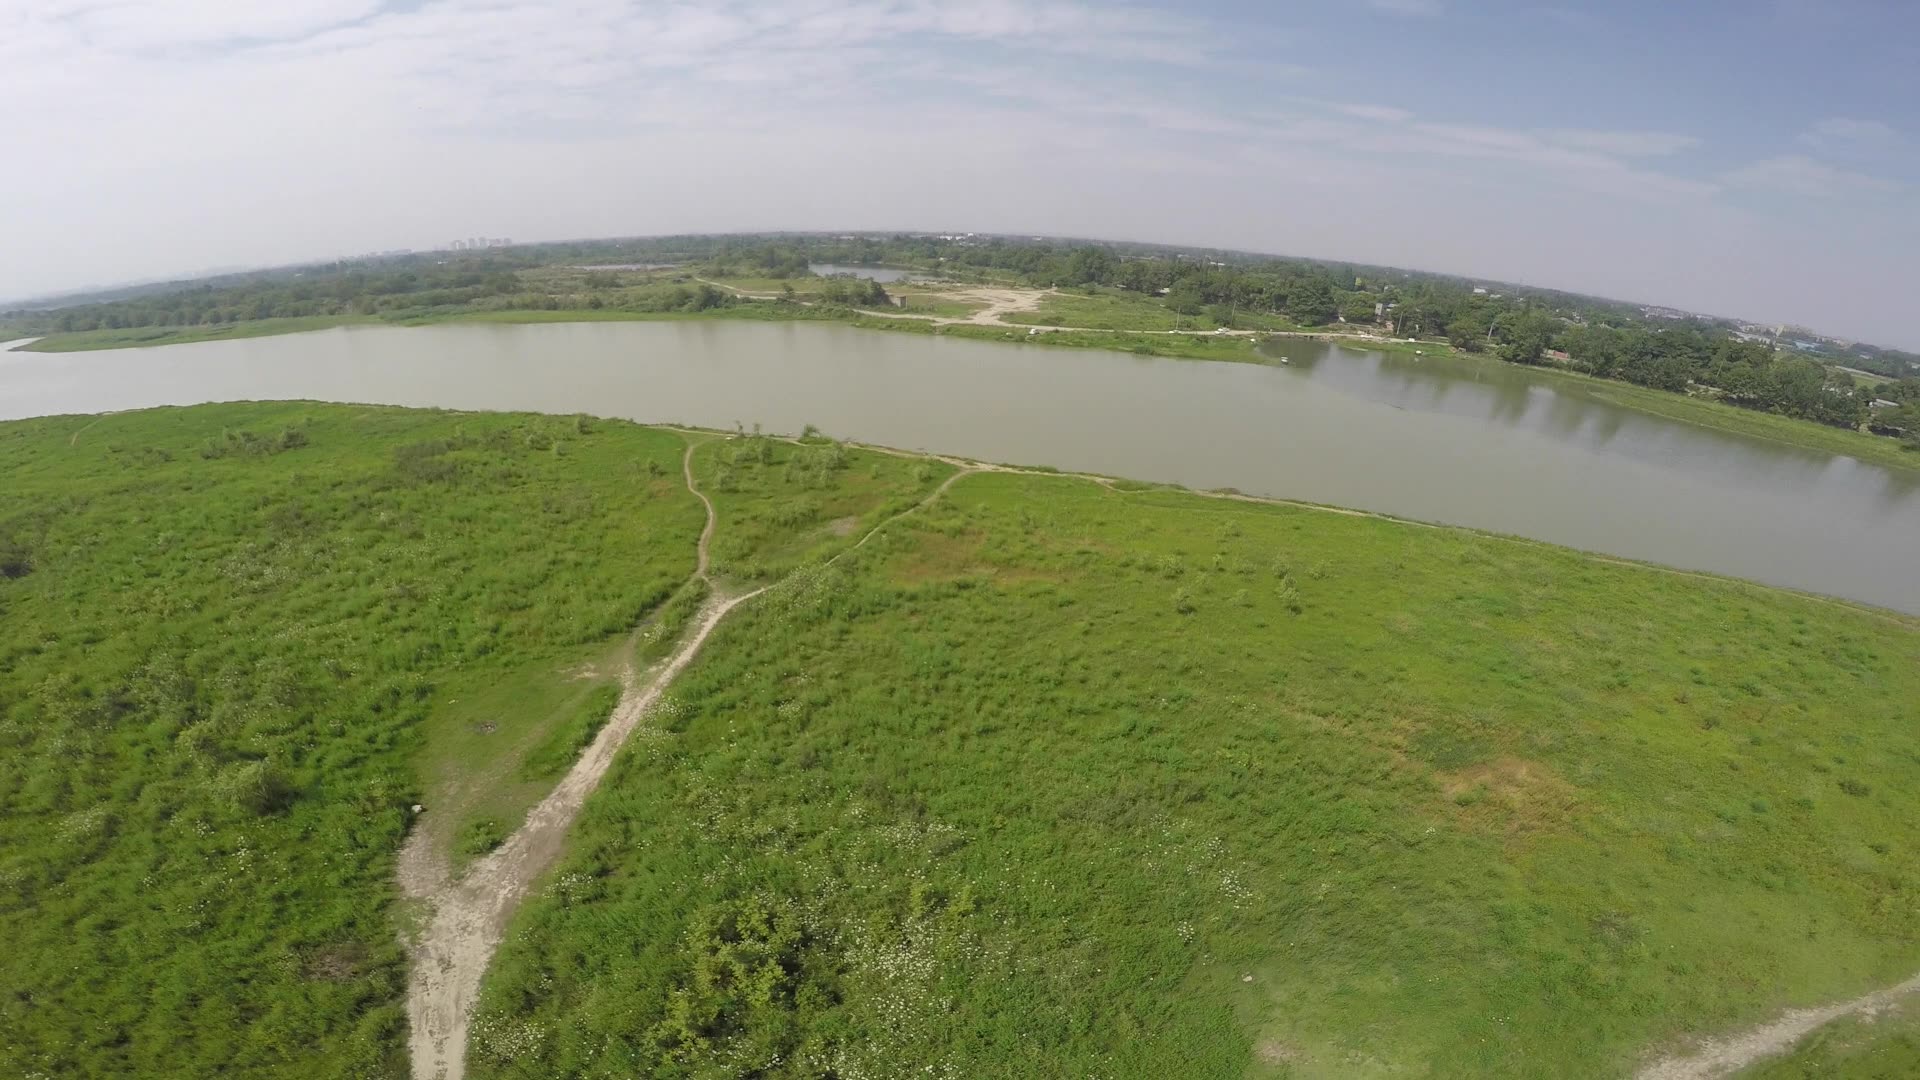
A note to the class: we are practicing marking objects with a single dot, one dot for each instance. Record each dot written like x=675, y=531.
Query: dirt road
x=1729, y=1054
x=470, y=915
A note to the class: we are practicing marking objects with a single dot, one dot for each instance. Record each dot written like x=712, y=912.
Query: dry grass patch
x=1509, y=794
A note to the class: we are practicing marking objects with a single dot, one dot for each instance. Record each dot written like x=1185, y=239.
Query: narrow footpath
x=469, y=916
x=1729, y=1054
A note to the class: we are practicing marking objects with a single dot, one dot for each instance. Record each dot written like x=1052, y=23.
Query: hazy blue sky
x=1758, y=158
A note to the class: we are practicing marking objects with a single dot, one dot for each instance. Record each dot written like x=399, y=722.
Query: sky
x=1750, y=158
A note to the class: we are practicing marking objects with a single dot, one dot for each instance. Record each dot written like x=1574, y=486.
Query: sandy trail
x=469, y=916
x=1001, y=303
x=1729, y=1054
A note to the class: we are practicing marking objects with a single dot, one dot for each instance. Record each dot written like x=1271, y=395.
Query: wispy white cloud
x=1598, y=161
x=197, y=132
x=1385, y=114
x=1623, y=143
x=1847, y=133
x=1797, y=174
x=165, y=24
x=1406, y=7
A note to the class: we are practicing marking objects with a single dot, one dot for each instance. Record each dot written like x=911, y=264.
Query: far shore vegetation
x=1856, y=400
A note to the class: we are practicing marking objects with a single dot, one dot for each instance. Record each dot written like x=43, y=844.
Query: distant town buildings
x=480, y=243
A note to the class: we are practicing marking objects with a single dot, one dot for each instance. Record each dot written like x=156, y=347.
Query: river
x=886, y=275
x=1453, y=441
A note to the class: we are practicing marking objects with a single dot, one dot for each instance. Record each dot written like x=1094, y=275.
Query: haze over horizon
x=1741, y=159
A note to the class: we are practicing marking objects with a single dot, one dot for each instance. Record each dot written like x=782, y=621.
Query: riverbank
x=1721, y=416
x=141, y=337
x=1234, y=347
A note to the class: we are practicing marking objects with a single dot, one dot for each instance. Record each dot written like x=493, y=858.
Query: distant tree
x=1357, y=308
x=1186, y=298
x=1412, y=318
x=1591, y=348
x=1310, y=303
x=1469, y=329
x=1526, y=337
x=1088, y=266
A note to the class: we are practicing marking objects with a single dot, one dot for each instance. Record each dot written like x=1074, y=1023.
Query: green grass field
x=1054, y=780
x=780, y=506
x=1183, y=346
x=1047, y=778
x=933, y=302
x=1113, y=309
x=236, y=643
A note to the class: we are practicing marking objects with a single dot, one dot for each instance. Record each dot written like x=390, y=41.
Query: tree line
x=1517, y=324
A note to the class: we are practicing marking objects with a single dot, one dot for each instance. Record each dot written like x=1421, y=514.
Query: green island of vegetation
x=1777, y=383
x=1004, y=774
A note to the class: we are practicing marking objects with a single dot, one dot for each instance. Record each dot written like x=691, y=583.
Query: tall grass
x=980, y=800
x=233, y=628
x=1043, y=779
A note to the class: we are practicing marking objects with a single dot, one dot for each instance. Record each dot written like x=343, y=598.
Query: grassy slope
x=1051, y=780
x=361, y=621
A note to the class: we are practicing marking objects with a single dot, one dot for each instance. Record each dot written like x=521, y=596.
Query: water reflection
x=1570, y=412
x=882, y=274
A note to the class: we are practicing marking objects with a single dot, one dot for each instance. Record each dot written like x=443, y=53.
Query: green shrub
x=257, y=787
x=16, y=561
x=478, y=837
x=563, y=745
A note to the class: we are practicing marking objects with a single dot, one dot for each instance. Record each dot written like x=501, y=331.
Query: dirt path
x=1729, y=1054
x=74, y=439
x=738, y=291
x=997, y=304
x=1001, y=303
x=469, y=916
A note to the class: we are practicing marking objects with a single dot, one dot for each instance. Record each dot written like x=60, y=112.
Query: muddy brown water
x=1460, y=442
